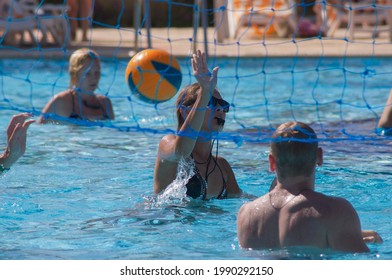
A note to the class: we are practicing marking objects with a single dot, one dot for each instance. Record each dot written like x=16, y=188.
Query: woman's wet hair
x=78, y=59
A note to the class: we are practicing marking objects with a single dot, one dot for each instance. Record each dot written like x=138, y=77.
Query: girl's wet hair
x=78, y=59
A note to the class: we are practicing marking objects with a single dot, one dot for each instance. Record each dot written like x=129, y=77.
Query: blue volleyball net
x=326, y=63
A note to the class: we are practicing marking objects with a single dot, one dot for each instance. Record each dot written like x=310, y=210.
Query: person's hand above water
x=371, y=236
x=386, y=117
x=16, y=139
x=204, y=77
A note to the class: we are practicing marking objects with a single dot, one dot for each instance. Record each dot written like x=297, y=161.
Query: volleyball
x=153, y=75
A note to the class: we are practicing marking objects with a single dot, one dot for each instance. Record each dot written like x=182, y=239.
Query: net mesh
x=322, y=62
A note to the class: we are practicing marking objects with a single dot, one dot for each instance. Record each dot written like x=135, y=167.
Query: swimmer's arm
x=108, y=107
x=344, y=229
x=194, y=117
x=189, y=131
x=371, y=236
x=16, y=140
x=386, y=117
x=167, y=149
x=165, y=165
x=242, y=227
x=246, y=228
x=58, y=105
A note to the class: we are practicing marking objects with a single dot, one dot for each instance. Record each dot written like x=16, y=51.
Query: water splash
x=175, y=193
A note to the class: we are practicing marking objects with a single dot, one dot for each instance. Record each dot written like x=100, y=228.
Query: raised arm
x=386, y=117
x=183, y=144
x=194, y=117
x=16, y=140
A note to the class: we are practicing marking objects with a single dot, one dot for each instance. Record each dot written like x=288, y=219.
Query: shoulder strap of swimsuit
x=104, y=112
x=73, y=113
x=224, y=187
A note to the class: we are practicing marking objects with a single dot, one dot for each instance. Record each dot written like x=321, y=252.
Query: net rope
x=342, y=96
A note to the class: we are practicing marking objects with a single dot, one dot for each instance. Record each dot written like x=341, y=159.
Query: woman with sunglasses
x=201, y=114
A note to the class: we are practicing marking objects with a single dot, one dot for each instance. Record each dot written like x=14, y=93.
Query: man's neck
x=295, y=185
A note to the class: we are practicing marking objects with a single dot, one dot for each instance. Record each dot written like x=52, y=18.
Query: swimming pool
x=86, y=192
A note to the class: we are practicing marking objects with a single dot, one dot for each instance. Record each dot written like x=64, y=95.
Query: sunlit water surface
x=85, y=192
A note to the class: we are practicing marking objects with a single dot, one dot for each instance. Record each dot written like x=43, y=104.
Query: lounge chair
x=262, y=16
x=371, y=16
x=20, y=16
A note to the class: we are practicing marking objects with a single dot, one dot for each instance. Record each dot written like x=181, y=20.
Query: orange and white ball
x=153, y=75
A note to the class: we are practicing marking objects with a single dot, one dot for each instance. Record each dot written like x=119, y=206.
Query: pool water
x=85, y=192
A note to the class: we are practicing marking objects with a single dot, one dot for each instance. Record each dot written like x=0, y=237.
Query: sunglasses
x=215, y=102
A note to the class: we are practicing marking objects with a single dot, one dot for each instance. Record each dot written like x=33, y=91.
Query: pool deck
x=120, y=43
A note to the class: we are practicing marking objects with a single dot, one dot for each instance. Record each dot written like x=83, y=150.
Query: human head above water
x=187, y=98
x=294, y=146
x=78, y=59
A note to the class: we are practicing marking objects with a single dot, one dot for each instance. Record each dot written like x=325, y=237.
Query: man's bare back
x=292, y=213
x=282, y=219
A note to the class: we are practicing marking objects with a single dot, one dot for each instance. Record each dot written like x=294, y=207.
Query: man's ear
x=320, y=159
x=272, y=163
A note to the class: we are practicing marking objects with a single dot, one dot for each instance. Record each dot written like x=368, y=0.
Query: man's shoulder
x=333, y=206
x=255, y=205
x=333, y=200
x=314, y=195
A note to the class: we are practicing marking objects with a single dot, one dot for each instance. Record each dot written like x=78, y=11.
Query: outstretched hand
x=16, y=138
x=18, y=119
x=204, y=77
x=371, y=236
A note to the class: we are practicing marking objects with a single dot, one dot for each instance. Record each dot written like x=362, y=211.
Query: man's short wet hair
x=294, y=146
